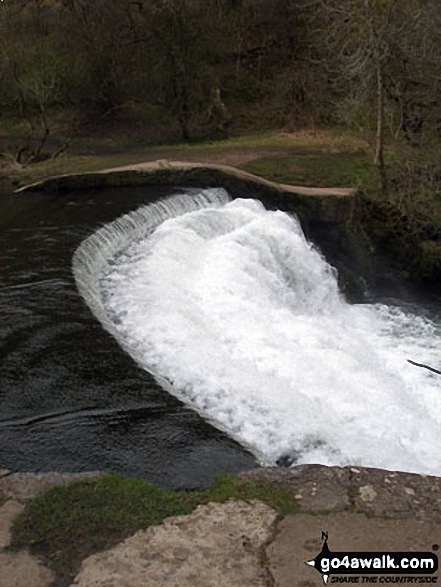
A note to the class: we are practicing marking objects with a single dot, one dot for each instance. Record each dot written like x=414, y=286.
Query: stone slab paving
x=8, y=511
x=298, y=540
x=23, y=570
x=18, y=569
x=245, y=543
x=24, y=486
x=375, y=492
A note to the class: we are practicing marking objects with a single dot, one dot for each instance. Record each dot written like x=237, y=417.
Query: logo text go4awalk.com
x=375, y=563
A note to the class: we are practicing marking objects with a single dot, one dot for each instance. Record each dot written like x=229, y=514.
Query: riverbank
x=327, y=214
x=325, y=205
x=322, y=158
x=69, y=524
x=401, y=228
x=269, y=539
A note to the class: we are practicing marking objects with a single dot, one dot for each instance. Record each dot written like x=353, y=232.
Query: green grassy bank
x=322, y=158
x=69, y=523
x=403, y=223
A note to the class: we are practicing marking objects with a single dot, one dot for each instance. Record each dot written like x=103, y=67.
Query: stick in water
x=425, y=366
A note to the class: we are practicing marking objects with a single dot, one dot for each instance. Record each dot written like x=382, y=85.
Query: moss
x=69, y=523
x=351, y=284
x=319, y=512
x=3, y=498
x=429, y=265
x=401, y=234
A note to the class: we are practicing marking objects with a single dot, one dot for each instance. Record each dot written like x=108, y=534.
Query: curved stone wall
x=328, y=205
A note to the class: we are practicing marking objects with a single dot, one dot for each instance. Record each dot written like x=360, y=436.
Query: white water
x=243, y=317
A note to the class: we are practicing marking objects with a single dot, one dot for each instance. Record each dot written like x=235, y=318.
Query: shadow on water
x=70, y=398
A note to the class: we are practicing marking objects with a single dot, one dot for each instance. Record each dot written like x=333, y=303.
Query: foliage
x=67, y=524
x=378, y=51
x=198, y=62
x=160, y=71
x=405, y=223
x=200, y=68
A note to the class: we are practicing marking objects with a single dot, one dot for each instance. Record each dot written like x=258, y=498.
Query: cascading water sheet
x=243, y=317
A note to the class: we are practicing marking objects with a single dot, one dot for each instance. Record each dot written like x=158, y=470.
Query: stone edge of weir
x=361, y=509
x=317, y=488
x=325, y=205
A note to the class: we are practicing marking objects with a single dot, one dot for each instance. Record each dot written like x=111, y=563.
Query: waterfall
x=235, y=313
x=97, y=252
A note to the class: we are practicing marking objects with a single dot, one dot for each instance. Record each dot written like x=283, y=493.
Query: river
x=70, y=399
x=264, y=346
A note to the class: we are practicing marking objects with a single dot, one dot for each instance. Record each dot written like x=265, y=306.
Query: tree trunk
x=379, y=144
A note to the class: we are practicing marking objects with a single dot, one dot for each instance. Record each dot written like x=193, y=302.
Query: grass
x=326, y=140
x=69, y=523
x=321, y=148
x=321, y=170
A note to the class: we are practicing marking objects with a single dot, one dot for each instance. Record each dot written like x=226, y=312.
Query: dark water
x=70, y=398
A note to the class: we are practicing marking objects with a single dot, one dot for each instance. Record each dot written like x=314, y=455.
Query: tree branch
x=425, y=366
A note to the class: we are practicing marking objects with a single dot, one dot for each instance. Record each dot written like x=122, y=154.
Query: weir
x=316, y=205
x=236, y=314
x=326, y=214
x=96, y=254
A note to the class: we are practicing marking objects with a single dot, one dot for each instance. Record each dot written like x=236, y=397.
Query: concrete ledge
x=374, y=492
x=247, y=544
x=298, y=540
x=329, y=205
x=24, y=486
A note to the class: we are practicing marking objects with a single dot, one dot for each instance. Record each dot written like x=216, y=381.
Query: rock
x=316, y=487
x=375, y=492
x=367, y=493
x=298, y=540
x=329, y=205
x=397, y=494
x=24, y=486
x=23, y=570
x=8, y=511
x=18, y=569
x=218, y=545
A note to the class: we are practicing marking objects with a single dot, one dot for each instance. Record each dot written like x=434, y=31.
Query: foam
x=243, y=317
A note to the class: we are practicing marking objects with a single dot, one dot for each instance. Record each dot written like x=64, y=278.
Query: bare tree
x=32, y=76
x=414, y=80
x=365, y=40
x=184, y=34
